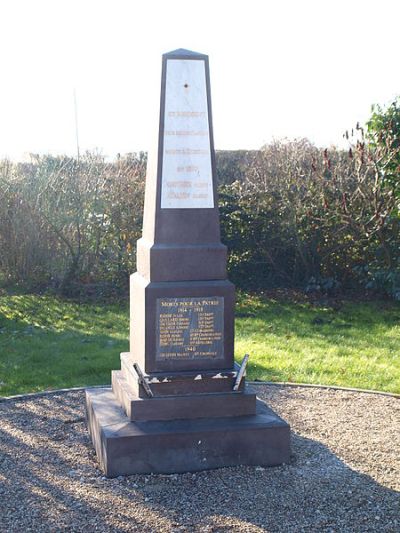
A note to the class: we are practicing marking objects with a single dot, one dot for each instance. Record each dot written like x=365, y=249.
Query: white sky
x=279, y=68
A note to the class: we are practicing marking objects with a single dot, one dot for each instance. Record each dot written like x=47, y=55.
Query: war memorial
x=179, y=402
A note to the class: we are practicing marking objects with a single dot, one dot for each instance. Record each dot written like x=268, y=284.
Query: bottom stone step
x=124, y=447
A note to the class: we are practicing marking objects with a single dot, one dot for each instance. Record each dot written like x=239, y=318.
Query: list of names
x=190, y=328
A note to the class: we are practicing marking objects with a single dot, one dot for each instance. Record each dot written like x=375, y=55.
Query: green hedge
x=292, y=215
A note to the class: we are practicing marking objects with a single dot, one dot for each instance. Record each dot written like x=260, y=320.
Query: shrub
x=292, y=215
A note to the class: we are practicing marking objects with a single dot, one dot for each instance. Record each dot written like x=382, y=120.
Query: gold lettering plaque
x=190, y=328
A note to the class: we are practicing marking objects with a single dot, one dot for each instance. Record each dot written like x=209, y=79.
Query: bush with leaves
x=65, y=221
x=383, y=135
x=303, y=213
x=292, y=215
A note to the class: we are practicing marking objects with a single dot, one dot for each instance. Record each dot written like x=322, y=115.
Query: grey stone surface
x=160, y=262
x=179, y=383
x=125, y=447
x=209, y=405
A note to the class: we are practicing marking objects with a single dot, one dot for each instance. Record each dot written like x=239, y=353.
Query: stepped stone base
x=125, y=447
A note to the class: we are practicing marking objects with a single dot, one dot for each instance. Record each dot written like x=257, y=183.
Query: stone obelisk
x=179, y=402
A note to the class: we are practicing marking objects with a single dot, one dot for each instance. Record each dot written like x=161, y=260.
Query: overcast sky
x=279, y=68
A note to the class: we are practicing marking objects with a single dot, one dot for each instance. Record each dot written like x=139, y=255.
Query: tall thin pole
x=76, y=124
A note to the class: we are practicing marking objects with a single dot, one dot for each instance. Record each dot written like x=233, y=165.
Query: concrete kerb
x=325, y=387
x=48, y=393
x=29, y=395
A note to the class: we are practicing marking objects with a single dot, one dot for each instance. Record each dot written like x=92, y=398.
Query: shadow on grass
x=55, y=313
x=349, y=344
x=47, y=342
x=50, y=344
x=303, y=320
x=273, y=373
x=49, y=469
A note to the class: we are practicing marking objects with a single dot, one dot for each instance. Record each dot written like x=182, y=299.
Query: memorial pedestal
x=182, y=428
x=142, y=447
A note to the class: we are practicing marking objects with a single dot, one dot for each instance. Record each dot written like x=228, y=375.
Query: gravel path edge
x=28, y=395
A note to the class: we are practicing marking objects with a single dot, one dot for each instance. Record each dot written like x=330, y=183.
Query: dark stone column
x=180, y=255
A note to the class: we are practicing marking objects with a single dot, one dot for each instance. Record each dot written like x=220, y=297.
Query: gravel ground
x=344, y=474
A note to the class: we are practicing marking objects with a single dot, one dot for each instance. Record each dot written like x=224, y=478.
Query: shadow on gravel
x=49, y=480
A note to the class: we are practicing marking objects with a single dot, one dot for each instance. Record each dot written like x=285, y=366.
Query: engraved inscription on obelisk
x=186, y=169
x=190, y=328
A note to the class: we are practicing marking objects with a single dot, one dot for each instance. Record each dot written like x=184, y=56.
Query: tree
x=383, y=135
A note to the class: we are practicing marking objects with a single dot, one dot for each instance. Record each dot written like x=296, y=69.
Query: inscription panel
x=190, y=328
x=186, y=171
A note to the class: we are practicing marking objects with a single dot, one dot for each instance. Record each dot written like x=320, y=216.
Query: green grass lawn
x=356, y=345
x=48, y=343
